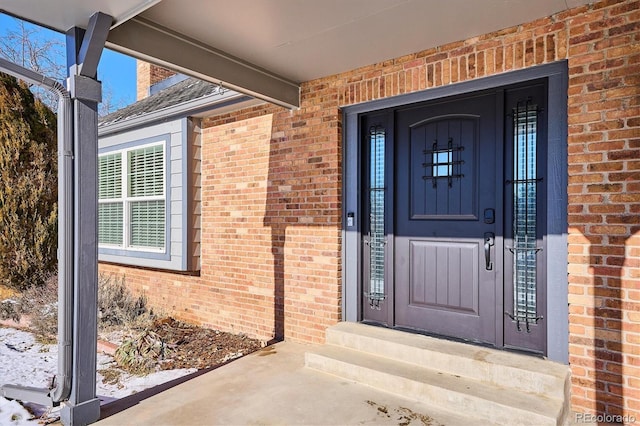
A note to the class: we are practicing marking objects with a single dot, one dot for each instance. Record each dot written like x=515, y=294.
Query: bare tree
x=110, y=102
x=38, y=49
x=43, y=51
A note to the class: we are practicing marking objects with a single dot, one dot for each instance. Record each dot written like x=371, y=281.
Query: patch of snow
x=12, y=413
x=25, y=362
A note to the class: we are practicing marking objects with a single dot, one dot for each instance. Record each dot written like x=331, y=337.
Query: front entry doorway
x=453, y=217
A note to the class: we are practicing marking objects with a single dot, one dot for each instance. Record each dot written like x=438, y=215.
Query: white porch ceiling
x=267, y=47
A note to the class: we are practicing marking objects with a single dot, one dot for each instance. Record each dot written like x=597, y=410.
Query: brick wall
x=148, y=75
x=604, y=206
x=288, y=238
x=272, y=186
x=237, y=261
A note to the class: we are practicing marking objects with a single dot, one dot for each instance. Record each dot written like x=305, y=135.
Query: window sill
x=142, y=259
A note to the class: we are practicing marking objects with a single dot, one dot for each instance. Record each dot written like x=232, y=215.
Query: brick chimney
x=147, y=75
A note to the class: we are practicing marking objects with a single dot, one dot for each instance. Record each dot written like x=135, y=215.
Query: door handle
x=489, y=240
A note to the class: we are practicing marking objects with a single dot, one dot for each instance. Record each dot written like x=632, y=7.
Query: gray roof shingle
x=183, y=92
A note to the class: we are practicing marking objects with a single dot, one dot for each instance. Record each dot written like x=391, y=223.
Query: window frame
x=127, y=200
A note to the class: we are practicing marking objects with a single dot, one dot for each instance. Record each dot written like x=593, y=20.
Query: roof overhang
x=266, y=48
x=147, y=40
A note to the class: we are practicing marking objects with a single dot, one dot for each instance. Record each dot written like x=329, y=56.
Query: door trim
x=557, y=200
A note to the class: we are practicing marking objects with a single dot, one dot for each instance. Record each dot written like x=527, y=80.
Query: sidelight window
x=525, y=198
x=377, y=239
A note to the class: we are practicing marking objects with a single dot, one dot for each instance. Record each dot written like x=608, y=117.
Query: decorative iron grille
x=377, y=239
x=525, y=181
x=443, y=161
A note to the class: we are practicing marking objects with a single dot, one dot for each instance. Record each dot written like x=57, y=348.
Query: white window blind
x=110, y=217
x=146, y=171
x=147, y=224
x=110, y=221
x=110, y=181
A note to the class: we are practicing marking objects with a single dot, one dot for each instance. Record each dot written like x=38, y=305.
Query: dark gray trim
x=351, y=236
x=93, y=43
x=557, y=220
x=557, y=199
x=186, y=171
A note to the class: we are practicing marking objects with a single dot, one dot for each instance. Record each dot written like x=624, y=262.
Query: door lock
x=489, y=216
x=489, y=240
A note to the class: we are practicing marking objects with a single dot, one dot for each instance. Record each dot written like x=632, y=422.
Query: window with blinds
x=131, y=198
x=146, y=171
x=110, y=217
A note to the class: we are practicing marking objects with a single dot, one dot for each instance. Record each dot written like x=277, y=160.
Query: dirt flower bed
x=146, y=341
x=169, y=344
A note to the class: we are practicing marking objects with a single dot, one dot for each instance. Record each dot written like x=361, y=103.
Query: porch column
x=84, y=49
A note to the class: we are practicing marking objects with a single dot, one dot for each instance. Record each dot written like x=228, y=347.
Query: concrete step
x=480, y=402
x=505, y=369
x=434, y=415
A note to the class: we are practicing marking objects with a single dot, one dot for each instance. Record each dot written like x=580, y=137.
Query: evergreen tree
x=28, y=187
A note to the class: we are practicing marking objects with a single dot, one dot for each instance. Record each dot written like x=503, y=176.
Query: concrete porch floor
x=272, y=387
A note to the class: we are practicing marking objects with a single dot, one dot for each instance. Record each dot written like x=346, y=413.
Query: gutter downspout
x=62, y=384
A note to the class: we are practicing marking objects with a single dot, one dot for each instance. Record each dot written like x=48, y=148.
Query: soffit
x=280, y=43
x=306, y=39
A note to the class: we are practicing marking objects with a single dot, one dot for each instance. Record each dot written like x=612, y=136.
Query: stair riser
x=480, y=409
x=566, y=408
x=505, y=376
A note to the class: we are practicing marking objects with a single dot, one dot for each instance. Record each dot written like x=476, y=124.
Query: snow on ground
x=12, y=413
x=25, y=362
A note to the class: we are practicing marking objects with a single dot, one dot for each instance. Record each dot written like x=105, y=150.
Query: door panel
x=444, y=275
x=446, y=174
